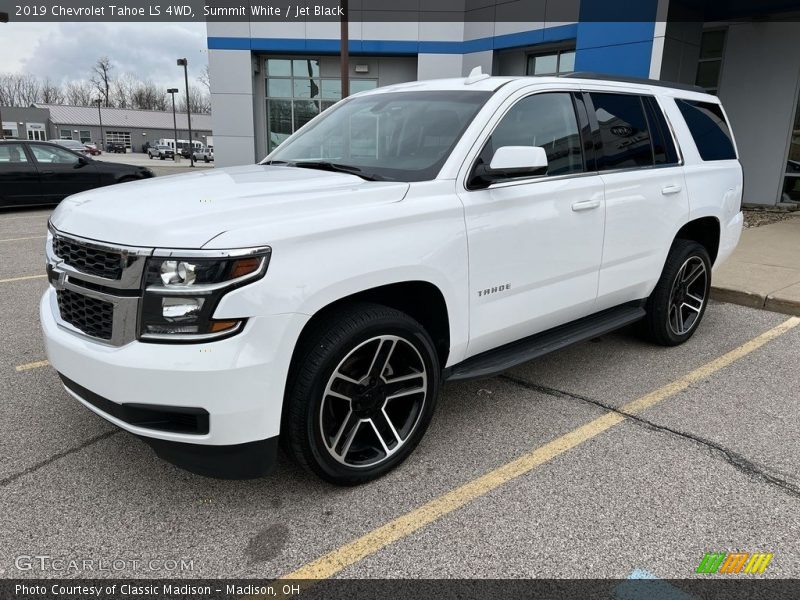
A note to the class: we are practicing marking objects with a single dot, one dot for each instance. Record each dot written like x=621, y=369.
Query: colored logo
x=734, y=562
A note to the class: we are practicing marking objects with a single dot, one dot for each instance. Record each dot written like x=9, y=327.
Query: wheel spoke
x=381, y=358
x=338, y=395
x=348, y=431
x=696, y=299
x=382, y=419
x=339, y=375
x=400, y=384
x=379, y=436
x=690, y=307
x=679, y=313
x=694, y=274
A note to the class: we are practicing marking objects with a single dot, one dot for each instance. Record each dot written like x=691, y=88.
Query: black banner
x=716, y=588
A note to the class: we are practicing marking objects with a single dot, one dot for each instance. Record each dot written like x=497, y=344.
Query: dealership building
x=269, y=78
x=131, y=128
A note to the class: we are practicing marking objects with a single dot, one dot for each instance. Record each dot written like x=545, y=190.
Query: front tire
x=361, y=393
x=679, y=301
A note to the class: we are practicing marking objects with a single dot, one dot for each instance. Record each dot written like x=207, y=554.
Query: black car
x=116, y=147
x=33, y=173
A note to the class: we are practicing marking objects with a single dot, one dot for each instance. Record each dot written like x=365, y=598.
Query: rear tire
x=679, y=300
x=361, y=393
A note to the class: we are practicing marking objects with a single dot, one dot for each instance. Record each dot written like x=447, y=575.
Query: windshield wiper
x=324, y=165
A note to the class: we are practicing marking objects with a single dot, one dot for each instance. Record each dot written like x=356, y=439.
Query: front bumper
x=238, y=381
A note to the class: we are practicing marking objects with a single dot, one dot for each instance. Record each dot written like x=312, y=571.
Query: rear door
x=646, y=199
x=19, y=179
x=62, y=172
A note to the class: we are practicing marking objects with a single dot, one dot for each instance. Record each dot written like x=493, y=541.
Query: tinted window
x=709, y=129
x=546, y=120
x=11, y=154
x=663, y=146
x=623, y=131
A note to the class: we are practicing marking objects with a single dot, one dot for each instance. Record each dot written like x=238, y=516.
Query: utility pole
x=182, y=62
x=345, y=50
x=174, y=91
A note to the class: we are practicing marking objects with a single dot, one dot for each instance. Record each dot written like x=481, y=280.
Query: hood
x=188, y=210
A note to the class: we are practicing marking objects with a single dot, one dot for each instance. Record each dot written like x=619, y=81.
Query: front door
x=62, y=172
x=535, y=244
x=19, y=180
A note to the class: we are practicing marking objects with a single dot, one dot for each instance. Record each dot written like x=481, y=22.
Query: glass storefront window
x=791, y=185
x=552, y=63
x=294, y=87
x=709, y=67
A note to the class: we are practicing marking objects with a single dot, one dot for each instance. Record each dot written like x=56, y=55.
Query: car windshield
x=402, y=136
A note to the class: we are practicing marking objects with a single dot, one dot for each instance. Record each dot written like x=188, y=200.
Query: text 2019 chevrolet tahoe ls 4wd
x=406, y=236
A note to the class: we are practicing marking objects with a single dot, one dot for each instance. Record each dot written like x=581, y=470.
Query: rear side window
x=664, y=150
x=710, y=130
x=623, y=131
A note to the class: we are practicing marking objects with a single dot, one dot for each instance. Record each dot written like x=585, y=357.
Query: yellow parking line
x=332, y=563
x=33, y=237
x=24, y=278
x=33, y=365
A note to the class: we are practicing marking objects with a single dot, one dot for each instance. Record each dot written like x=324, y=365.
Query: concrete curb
x=773, y=302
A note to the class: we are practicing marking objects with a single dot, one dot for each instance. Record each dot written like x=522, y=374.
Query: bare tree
x=79, y=93
x=19, y=89
x=122, y=90
x=148, y=96
x=51, y=92
x=101, y=77
x=205, y=79
x=199, y=101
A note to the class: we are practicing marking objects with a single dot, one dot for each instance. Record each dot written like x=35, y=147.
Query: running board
x=505, y=357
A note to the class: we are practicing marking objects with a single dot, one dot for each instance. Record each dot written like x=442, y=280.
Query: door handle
x=585, y=205
x=671, y=189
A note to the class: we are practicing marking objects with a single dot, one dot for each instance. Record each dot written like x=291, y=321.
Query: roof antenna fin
x=476, y=75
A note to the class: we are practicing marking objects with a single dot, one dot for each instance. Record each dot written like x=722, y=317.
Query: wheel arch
x=421, y=300
x=706, y=231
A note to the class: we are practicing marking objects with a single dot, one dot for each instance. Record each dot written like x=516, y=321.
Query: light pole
x=3, y=19
x=99, y=101
x=182, y=62
x=174, y=91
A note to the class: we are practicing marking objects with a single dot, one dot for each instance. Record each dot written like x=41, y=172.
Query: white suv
x=408, y=236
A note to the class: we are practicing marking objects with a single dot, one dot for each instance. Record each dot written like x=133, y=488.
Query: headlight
x=183, y=289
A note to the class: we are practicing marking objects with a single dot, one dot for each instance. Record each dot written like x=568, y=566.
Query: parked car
x=204, y=154
x=73, y=145
x=92, y=149
x=161, y=152
x=325, y=294
x=116, y=147
x=37, y=173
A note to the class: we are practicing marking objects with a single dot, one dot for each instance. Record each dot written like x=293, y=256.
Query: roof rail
x=643, y=80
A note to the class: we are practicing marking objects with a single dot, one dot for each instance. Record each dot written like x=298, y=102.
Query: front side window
x=53, y=155
x=403, y=136
x=545, y=120
x=623, y=131
x=710, y=130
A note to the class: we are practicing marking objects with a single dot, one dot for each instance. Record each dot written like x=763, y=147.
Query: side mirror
x=510, y=162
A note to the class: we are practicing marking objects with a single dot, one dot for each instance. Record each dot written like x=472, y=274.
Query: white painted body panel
x=333, y=235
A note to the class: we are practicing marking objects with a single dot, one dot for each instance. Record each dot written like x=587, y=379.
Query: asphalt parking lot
x=603, y=460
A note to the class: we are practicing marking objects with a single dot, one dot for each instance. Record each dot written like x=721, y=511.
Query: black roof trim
x=641, y=80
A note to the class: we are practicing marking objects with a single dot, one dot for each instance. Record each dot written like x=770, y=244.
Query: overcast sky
x=66, y=51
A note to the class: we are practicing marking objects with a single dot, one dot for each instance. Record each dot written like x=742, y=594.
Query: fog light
x=181, y=309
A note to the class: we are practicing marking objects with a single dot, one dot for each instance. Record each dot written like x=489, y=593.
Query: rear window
x=710, y=130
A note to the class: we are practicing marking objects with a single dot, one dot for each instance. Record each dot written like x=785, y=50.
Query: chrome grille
x=92, y=316
x=89, y=259
x=98, y=286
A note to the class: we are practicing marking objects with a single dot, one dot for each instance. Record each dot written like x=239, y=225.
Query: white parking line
x=33, y=237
